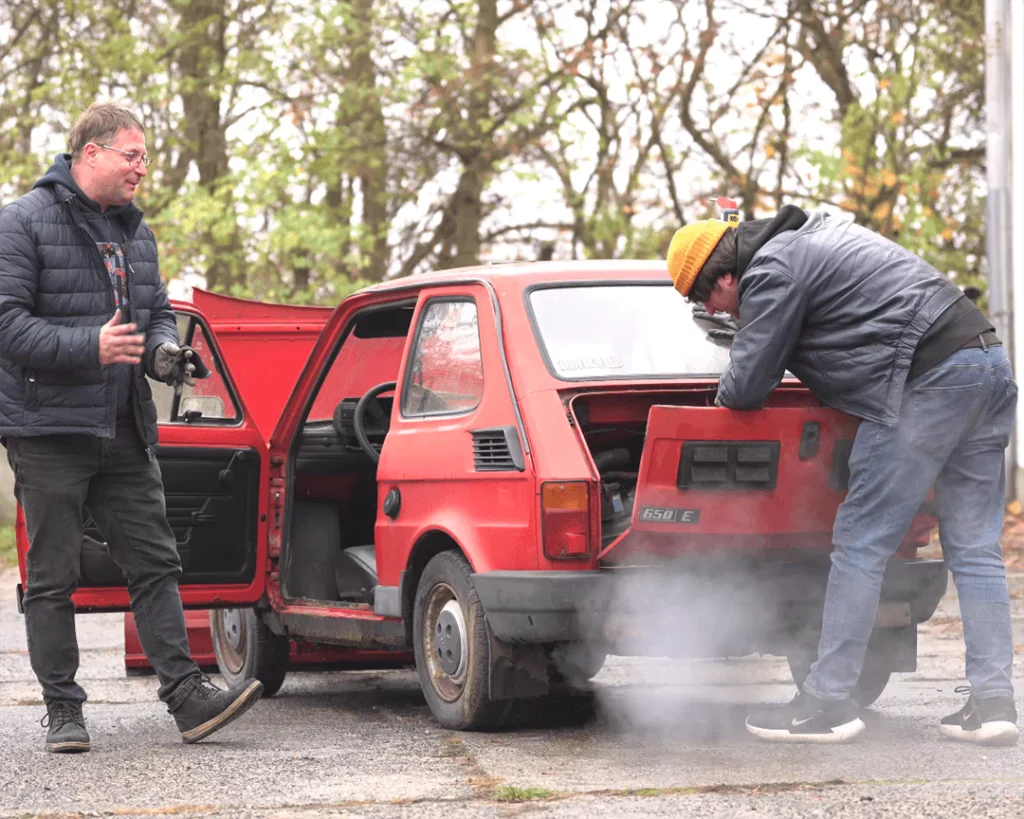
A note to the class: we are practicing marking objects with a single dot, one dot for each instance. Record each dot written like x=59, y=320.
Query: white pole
x=997, y=149
x=1016, y=276
x=997, y=79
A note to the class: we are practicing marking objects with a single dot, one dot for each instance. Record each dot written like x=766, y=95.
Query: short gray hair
x=100, y=123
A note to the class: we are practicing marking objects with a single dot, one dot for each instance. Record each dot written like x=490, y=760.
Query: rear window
x=624, y=331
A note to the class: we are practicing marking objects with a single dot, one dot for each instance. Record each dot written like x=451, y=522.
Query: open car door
x=214, y=461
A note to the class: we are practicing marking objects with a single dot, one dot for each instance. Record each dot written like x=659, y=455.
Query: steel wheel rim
x=441, y=612
x=232, y=638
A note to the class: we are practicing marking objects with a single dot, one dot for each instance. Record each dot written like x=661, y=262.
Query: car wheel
x=451, y=645
x=574, y=663
x=245, y=649
x=874, y=676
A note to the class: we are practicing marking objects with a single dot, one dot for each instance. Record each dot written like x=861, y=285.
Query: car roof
x=525, y=274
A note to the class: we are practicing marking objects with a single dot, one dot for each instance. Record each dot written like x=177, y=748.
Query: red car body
x=550, y=482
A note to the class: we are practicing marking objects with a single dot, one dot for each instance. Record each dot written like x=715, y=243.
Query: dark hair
x=101, y=122
x=721, y=261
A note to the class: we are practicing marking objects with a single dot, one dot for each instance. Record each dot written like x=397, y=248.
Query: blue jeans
x=954, y=426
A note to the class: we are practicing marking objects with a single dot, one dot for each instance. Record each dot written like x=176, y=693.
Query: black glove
x=176, y=365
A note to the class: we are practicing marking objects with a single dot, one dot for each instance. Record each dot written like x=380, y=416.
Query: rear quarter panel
x=430, y=461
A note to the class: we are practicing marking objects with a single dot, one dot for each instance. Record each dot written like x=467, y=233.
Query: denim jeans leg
x=126, y=500
x=891, y=471
x=51, y=480
x=970, y=494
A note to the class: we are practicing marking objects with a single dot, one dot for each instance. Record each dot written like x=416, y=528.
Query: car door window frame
x=215, y=362
x=407, y=375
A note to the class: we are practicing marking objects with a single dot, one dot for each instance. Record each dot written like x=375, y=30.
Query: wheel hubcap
x=449, y=638
x=233, y=628
x=231, y=637
x=446, y=642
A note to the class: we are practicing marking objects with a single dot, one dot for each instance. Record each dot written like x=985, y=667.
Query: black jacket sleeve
x=25, y=338
x=772, y=311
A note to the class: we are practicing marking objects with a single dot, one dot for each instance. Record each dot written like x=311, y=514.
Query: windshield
x=626, y=331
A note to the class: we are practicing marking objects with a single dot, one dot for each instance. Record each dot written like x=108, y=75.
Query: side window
x=446, y=373
x=209, y=401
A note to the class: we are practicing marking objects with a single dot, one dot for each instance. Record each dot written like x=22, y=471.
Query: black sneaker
x=200, y=707
x=66, y=734
x=806, y=719
x=989, y=721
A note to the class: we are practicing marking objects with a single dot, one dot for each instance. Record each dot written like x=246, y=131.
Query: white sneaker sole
x=841, y=733
x=990, y=733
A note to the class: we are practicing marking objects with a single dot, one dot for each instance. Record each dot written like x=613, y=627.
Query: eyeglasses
x=132, y=157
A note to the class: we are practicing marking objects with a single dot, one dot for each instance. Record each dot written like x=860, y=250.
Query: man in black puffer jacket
x=84, y=318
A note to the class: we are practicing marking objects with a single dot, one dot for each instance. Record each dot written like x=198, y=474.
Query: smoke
x=686, y=614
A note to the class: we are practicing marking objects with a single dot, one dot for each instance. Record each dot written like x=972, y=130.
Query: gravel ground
x=655, y=738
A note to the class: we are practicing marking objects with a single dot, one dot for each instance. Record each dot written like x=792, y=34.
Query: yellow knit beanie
x=690, y=248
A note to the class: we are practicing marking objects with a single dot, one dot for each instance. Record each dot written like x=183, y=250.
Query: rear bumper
x=727, y=605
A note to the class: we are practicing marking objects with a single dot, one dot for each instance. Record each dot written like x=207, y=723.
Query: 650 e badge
x=665, y=514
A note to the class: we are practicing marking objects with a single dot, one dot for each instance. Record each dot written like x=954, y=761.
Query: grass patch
x=8, y=552
x=643, y=792
x=510, y=793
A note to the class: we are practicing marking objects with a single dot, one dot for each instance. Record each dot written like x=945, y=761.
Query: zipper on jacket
x=140, y=423
x=30, y=386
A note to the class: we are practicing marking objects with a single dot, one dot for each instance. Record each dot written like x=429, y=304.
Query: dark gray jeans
x=55, y=477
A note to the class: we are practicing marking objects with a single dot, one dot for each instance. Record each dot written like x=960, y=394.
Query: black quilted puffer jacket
x=55, y=294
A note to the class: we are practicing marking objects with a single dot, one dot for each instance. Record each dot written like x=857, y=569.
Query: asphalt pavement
x=654, y=738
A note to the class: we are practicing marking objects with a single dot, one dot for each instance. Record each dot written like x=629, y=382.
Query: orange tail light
x=565, y=519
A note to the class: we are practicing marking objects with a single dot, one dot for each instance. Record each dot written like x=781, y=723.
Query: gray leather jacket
x=841, y=308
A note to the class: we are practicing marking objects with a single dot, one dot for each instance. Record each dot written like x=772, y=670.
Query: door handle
x=201, y=516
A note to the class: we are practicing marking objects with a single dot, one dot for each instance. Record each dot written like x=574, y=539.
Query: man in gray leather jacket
x=84, y=318
x=873, y=330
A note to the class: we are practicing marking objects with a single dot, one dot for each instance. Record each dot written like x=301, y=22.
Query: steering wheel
x=369, y=403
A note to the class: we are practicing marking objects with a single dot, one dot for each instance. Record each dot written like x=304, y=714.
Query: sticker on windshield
x=600, y=362
x=663, y=514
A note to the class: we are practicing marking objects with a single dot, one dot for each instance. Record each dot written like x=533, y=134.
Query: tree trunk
x=201, y=59
x=373, y=166
x=467, y=200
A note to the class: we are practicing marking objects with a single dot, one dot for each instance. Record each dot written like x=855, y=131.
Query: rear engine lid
x=712, y=479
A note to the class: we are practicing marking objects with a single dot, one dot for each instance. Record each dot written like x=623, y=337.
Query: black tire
x=574, y=664
x=459, y=698
x=246, y=649
x=874, y=677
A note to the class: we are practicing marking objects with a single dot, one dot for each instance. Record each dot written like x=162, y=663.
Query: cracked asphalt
x=655, y=738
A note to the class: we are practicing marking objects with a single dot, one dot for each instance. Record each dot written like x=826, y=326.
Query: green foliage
x=8, y=550
x=302, y=150
x=909, y=163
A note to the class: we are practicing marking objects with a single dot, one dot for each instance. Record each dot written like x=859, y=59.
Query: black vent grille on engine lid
x=728, y=465
x=497, y=450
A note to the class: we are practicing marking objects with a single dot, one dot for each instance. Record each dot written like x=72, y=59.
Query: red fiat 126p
x=508, y=473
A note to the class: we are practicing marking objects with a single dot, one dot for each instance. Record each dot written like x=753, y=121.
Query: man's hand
x=172, y=365
x=119, y=343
